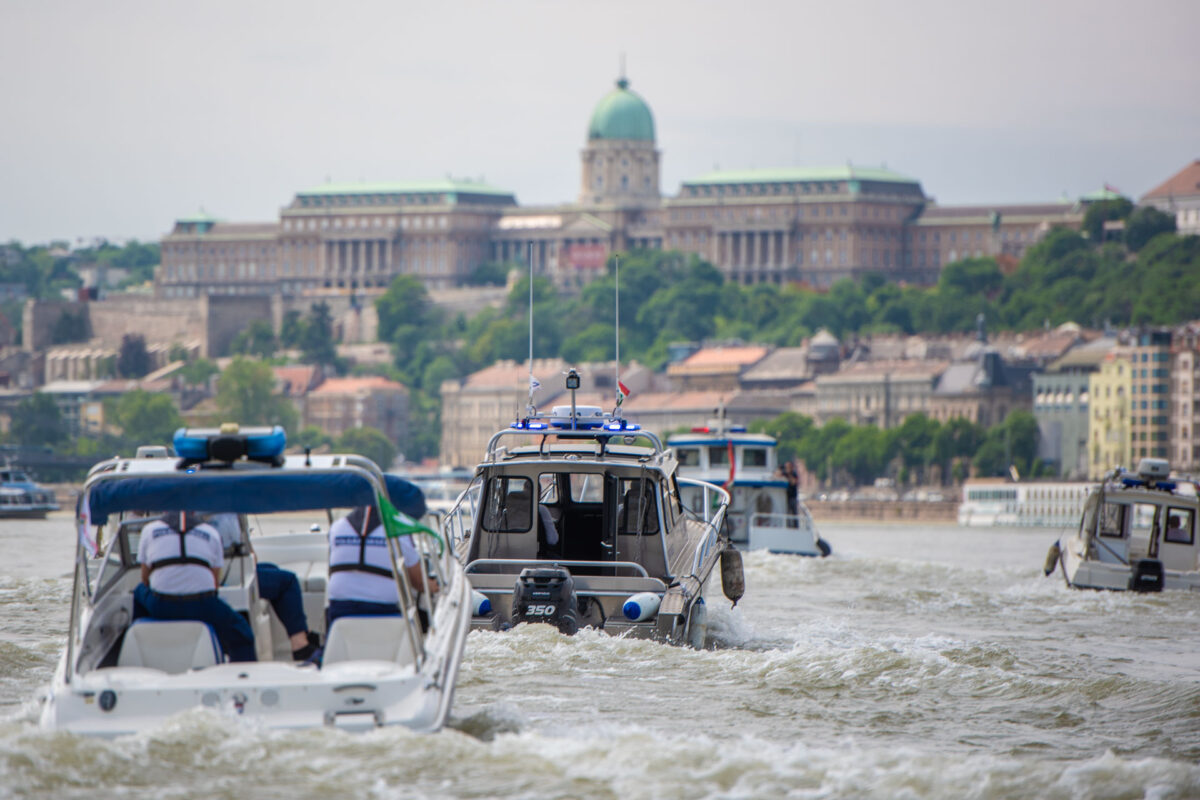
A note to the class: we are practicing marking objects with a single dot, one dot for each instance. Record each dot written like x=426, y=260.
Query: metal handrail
x=713, y=523
x=567, y=433
x=557, y=563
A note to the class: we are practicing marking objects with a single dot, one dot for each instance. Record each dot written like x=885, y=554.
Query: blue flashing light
x=1166, y=486
x=622, y=425
x=737, y=428
x=580, y=425
x=201, y=444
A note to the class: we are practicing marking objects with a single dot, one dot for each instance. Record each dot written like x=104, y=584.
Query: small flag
x=534, y=384
x=622, y=392
x=396, y=523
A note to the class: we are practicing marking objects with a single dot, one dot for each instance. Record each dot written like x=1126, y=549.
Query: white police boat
x=761, y=515
x=22, y=498
x=121, y=675
x=577, y=518
x=1137, y=533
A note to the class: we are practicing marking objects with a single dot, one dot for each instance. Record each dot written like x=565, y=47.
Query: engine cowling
x=546, y=594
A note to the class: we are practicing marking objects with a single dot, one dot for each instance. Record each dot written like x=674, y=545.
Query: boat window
x=718, y=456
x=689, y=456
x=548, y=488
x=754, y=457
x=1142, y=520
x=1181, y=526
x=508, y=505
x=638, y=495
x=587, y=487
x=1112, y=520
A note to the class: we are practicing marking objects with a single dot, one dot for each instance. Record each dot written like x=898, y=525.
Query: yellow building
x=1109, y=392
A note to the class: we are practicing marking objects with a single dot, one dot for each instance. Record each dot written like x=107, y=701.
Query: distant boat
x=760, y=516
x=21, y=498
x=1137, y=532
x=1038, y=504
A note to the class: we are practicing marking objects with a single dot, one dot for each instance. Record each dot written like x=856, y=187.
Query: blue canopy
x=247, y=493
x=405, y=496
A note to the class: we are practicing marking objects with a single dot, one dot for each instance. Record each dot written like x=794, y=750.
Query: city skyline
x=129, y=116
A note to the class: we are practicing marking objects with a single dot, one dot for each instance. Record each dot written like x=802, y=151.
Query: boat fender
x=824, y=547
x=481, y=606
x=733, y=580
x=641, y=606
x=1052, y=558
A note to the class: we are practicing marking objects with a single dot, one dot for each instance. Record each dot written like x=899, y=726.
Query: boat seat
x=173, y=646
x=368, y=639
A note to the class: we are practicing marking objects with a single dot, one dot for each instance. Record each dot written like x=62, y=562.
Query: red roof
x=297, y=379
x=358, y=385
x=1182, y=184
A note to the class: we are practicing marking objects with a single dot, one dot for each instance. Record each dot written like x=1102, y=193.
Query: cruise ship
x=1035, y=504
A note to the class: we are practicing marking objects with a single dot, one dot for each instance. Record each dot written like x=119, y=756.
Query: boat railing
x=800, y=521
x=714, y=504
x=458, y=522
x=602, y=435
x=474, y=567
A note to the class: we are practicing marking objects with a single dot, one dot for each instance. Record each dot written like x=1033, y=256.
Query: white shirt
x=344, y=548
x=159, y=541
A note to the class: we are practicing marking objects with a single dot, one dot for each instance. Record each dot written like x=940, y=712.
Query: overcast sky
x=118, y=117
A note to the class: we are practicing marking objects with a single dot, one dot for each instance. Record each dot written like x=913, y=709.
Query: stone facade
x=808, y=225
x=340, y=404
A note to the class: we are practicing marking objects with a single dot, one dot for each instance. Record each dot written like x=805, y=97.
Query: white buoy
x=480, y=604
x=641, y=606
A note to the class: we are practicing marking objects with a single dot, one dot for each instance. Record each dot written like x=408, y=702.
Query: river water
x=920, y=661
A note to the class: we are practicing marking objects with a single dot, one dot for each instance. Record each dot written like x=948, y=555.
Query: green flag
x=396, y=523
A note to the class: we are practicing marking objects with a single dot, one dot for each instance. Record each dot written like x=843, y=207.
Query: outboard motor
x=1147, y=575
x=546, y=594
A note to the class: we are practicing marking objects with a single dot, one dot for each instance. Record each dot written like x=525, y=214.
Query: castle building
x=788, y=225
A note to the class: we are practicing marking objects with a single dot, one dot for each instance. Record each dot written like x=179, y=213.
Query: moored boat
x=21, y=497
x=121, y=674
x=1137, y=532
x=577, y=518
x=765, y=513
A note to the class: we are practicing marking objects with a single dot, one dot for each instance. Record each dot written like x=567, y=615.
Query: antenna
x=533, y=383
x=617, y=333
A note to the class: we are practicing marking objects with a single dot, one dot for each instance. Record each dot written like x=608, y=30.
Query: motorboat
x=119, y=674
x=578, y=518
x=761, y=515
x=988, y=502
x=22, y=498
x=1137, y=532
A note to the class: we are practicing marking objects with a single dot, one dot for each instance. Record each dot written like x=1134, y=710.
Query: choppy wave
x=859, y=675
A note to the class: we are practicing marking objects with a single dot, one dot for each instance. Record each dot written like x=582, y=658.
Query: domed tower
x=620, y=164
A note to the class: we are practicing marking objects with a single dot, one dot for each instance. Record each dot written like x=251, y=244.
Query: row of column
x=358, y=255
x=752, y=249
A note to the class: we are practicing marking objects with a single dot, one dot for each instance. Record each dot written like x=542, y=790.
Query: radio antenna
x=530, y=409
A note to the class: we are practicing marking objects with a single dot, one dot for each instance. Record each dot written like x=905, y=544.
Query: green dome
x=621, y=114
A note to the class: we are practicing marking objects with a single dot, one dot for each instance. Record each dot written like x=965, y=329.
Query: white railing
x=714, y=504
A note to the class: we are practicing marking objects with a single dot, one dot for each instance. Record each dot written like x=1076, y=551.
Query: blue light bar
x=201, y=444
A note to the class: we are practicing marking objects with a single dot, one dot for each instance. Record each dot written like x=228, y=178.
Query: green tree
x=489, y=273
x=369, y=442
x=147, y=418
x=70, y=327
x=311, y=437
x=1144, y=224
x=1102, y=211
x=197, y=373
x=246, y=395
x=258, y=339
x=133, y=361
x=291, y=331
x=317, y=342
x=36, y=420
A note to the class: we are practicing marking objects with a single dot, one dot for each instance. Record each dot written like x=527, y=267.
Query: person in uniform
x=361, y=581
x=277, y=586
x=181, y=560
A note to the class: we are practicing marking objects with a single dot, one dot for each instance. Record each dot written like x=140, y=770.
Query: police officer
x=361, y=582
x=181, y=569
x=276, y=585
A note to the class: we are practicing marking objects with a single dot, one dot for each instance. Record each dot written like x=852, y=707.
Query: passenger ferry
x=996, y=501
x=20, y=497
x=761, y=514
